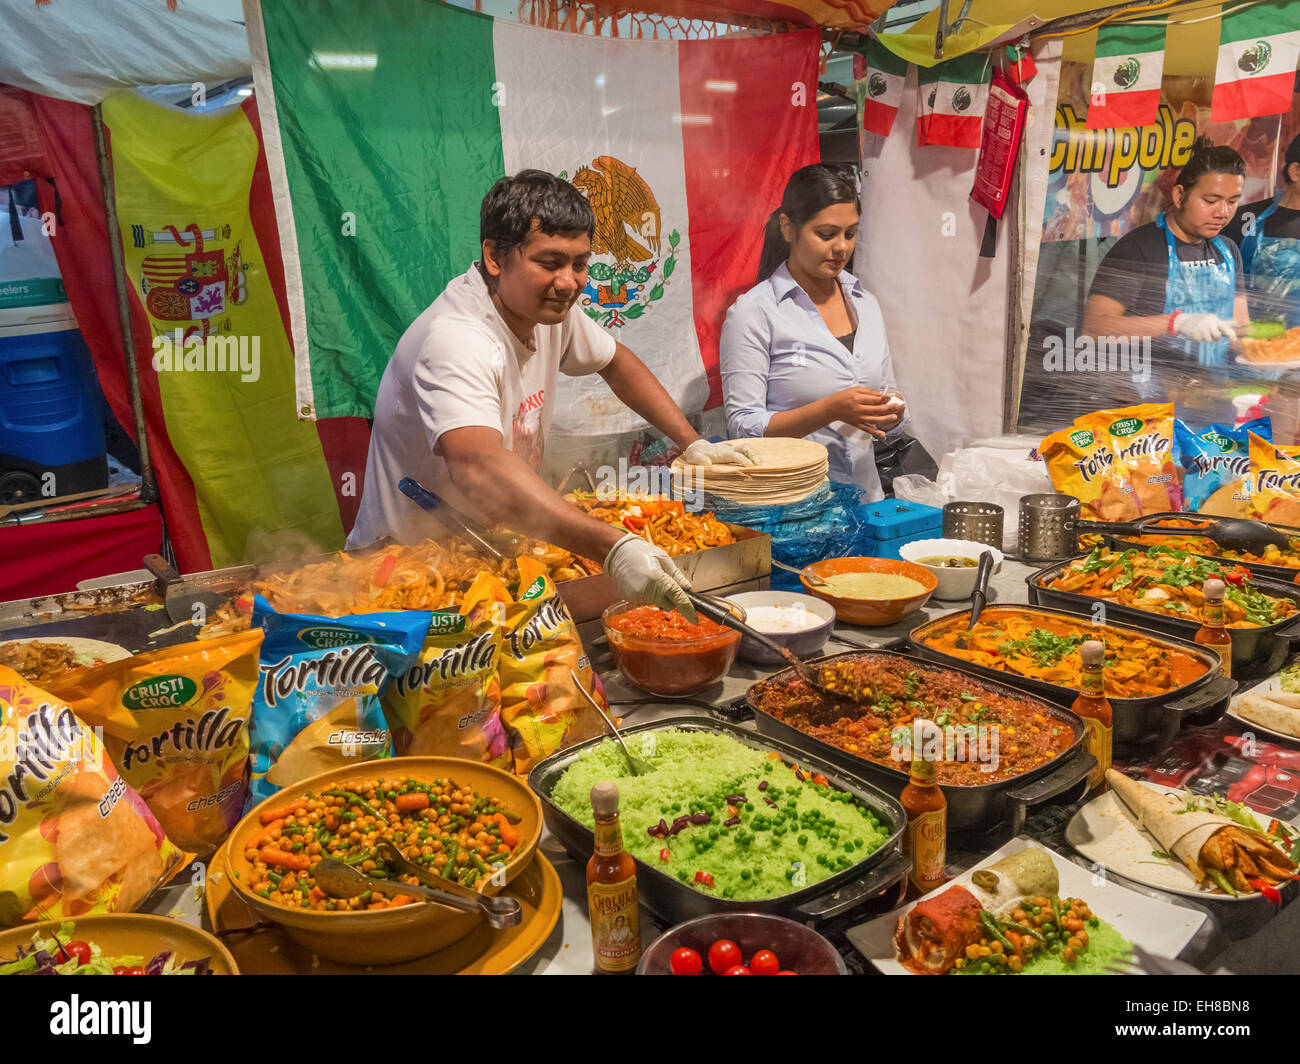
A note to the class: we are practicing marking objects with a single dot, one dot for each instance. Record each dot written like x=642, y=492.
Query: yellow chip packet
x=1275, y=482
x=1082, y=463
x=75, y=838
x=541, y=707
x=176, y=723
x=1142, y=438
x=448, y=703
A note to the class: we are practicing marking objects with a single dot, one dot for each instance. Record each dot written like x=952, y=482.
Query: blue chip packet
x=317, y=704
x=1216, y=465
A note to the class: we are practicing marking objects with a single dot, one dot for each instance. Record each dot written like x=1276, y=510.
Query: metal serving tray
x=674, y=901
x=1141, y=725
x=1256, y=652
x=985, y=810
x=114, y=615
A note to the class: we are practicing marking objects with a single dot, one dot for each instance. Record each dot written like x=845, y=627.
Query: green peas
x=848, y=847
x=749, y=807
x=713, y=833
x=728, y=892
x=677, y=807
x=683, y=876
x=746, y=874
x=803, y=840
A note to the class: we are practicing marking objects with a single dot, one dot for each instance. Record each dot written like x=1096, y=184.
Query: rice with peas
x=808, y=835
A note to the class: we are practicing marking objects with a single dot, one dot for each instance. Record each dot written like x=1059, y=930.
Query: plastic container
x=890, y=524
x=51, y=419
x=669, y=666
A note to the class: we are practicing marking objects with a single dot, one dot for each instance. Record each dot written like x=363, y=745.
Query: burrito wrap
x=1269, y=711
x=936, y=931
x=1178, y=831
x=1001, y=886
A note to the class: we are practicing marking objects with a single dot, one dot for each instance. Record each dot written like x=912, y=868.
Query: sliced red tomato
x=133, y=969
x=685, y=962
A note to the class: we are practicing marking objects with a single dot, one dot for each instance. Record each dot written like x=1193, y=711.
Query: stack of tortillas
x=1278, y=710
x=785, y=471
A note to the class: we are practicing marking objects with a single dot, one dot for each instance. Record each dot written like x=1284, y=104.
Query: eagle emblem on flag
x=629, y=271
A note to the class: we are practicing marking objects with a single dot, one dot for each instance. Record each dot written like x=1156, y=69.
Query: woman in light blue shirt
x=804, y=351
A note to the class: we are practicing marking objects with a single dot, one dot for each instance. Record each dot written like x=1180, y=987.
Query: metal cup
x=978, y=521
x=1048, y=527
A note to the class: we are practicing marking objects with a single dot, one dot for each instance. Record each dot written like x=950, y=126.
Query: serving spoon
x=340, y=880
x=811, y=577
x=636, y=765
x=722, y=612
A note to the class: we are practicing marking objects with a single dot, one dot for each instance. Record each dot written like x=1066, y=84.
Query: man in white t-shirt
x=465, y=403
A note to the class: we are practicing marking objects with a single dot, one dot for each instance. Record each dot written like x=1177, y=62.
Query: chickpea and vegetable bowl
x=459, y=820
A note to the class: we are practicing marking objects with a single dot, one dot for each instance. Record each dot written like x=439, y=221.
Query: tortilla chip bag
x=1275, y=470
x=317, y=704
x=75, y=838
x=1081, y=463
x=1142, y=438
x=1216, y=466
x=176, y=725
x=541, y=708
x=449, y=702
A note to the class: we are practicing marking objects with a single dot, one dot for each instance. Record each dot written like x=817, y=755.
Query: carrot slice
x=296, y=861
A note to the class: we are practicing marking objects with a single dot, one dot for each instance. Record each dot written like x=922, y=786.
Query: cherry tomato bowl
x=795, y=947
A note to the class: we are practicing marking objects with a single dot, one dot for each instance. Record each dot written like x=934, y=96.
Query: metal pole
x=148, y=486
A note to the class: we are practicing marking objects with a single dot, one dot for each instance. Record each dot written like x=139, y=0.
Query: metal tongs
x=448, y=516
x=340, y=880
x=1233, y=533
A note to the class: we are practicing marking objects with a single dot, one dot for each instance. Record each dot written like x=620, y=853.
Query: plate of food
x=38, y=661
x=1025, y=910
x=113, y=944
x=1201, y=846
x=1273, y=705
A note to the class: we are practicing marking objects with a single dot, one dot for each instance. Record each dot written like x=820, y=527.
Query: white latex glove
x=1204, y=328
x=644, y=573
x=702, y=452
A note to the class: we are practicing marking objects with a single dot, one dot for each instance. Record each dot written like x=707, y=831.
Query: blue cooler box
x=51, y=417
x=890, y=523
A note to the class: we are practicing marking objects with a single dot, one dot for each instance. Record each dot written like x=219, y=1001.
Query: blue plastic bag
x=317, y=704
x=1216, y=461
x=823, y=525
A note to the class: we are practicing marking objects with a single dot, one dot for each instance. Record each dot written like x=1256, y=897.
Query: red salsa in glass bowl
x=661, y=652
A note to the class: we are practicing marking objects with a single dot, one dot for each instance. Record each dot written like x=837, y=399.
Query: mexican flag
x=885, y=76
x=1126, y=76
x=386, y=123
x=952, y=100
x=1258, y=49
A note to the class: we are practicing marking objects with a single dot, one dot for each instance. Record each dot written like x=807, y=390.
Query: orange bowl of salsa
x=661, y=652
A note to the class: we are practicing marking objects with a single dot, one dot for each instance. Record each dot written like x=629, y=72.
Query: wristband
x=1173, y=318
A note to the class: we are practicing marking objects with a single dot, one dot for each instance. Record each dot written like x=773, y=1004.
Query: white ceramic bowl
x=802, y=643
x=954, y=584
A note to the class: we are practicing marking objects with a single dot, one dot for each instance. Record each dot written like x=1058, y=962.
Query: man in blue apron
x=1268, y=233
x=1177, y=280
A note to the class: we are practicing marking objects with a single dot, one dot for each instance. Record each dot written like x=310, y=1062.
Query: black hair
x=1292, y=156
x=810, y=190
x=506, y=216
x=1209, y=158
